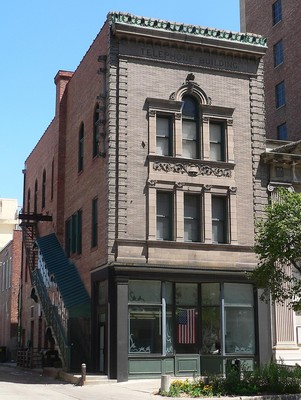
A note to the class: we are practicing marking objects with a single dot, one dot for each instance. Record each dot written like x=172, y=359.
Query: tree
x=278, y=246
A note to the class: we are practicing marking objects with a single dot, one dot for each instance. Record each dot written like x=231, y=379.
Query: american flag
x=186, y=326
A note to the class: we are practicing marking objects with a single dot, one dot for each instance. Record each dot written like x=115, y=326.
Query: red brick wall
x=259, y=20
x=73, y=190
x=9, y=296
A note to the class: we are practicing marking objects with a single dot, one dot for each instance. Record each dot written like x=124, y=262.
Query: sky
x=40, y=37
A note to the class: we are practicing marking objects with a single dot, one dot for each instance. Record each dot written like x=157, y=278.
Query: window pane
x=240, y=332
x=169, y=331
x=239, y=294
x=145, y=291
x=162, y=146
x=191, y=231
x=280, y=95
x=190, y=108
x=278, y=53
x=277, y=12
x=189, y=130
x=186, y=294
x=164, y=214
x=211, y=342
x=219, y=228
x=191, y=218
x=189, y=142
x=163, y=136
x=210, y=294
x=217, y=142
x=145, y=329
x=282, y=132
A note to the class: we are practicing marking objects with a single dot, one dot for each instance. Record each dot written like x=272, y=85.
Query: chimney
x=61, y=79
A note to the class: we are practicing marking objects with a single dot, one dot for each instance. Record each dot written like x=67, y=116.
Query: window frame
x=223, y=222
x=278, y=53
x=195, y=119
x=44, y=189
x=277, y=12
x=169, y=138
x=196, y=219
x=282, y=131
x=222, y=143
x=166, y=220
x=207, y=299
x=81, y=135
x=280, y=94
x=73, y=234
x=95, y=131
x=94, y=223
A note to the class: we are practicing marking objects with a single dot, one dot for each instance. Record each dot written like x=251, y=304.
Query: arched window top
x=193, y=90
x=190, y=107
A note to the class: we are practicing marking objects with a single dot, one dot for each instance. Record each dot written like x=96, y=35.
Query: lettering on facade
x=200, y=58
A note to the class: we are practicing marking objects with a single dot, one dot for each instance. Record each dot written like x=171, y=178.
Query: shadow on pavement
x=11, y=373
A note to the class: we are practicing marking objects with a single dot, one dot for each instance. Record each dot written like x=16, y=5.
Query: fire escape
x=30, y=235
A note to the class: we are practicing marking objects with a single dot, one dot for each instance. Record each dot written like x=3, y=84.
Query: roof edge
x=195, y=30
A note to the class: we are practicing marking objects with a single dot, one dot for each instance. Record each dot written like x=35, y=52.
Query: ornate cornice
x=246, y=38
x=191, y=169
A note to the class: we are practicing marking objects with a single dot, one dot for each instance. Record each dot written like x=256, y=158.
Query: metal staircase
x=51, y=315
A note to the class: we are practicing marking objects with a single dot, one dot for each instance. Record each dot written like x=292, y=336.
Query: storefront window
x=186, y=317
x=210, y=316
x=239, y=319
x=145, y=292
x=145, y=329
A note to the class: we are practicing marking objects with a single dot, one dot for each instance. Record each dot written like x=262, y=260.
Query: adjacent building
x=8, y=220
x=10, y=268
x=278, y=21
x=140, y=201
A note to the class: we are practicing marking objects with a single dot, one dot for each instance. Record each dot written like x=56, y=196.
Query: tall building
x=8, y=220
x=279, y=22
x=140, y=201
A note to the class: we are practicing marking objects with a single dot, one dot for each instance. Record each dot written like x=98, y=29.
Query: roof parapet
x=245, y=38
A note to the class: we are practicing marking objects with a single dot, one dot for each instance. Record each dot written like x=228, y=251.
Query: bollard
x=84, y=371
x=165, y=383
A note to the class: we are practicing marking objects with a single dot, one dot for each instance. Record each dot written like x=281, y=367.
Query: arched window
x=35, y=200
x=28, y=201
x=44, y=189
x=95, y=131
x=52, y=178
x=81, y=148
x=190, y=127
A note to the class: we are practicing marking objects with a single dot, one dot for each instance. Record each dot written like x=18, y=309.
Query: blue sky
x=39, y=37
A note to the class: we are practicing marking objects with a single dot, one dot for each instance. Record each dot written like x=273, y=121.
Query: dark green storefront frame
x=184, y=365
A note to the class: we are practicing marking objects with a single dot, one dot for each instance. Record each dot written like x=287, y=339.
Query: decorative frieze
x=192, y=169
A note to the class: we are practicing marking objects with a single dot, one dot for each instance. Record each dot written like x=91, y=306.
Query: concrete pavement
x=17, y=384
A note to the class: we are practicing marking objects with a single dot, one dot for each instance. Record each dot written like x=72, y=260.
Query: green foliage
x=270, y=379
x=278, y=246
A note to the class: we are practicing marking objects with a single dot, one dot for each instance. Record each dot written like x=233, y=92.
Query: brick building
x=278, y=21
x=149, y=177
x=10, y=268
